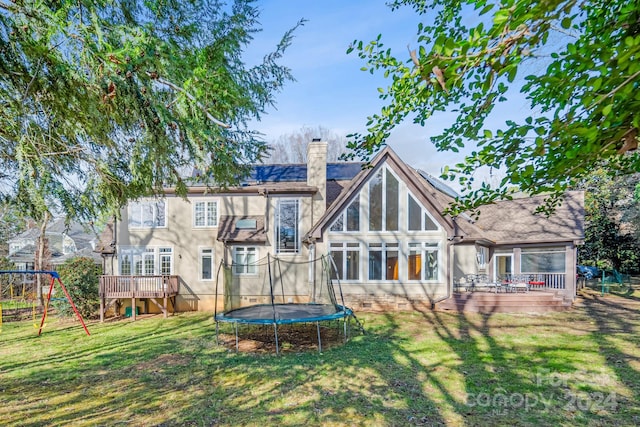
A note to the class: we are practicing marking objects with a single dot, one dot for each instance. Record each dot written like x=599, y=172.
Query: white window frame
x=150, y=259
x=137, y=208
x=344, y=248
x=384, y=248
x=383, y=226
x=344, y=217
x=206, y=252
x=296, y=238
x=556, y=250
x=209, y=219
x=482, y=256
x=244, y=268
x=165, y=253
x=423, y=248
x=424, y=211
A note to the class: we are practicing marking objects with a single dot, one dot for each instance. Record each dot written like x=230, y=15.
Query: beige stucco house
x=382, y=225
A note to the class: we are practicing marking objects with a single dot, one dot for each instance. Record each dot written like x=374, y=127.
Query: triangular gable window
x=387, y=206
x=419, y=219
x=352, y=222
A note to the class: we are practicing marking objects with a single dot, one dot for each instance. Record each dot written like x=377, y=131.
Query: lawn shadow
x=411, y=368
x=618, y=338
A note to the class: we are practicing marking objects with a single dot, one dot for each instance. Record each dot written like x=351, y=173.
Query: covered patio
x=553, y=282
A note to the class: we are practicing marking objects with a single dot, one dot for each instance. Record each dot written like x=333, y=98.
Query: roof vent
x=316, y=140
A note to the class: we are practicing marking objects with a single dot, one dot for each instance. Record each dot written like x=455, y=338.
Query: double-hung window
x=244, y=260
x=205, y=214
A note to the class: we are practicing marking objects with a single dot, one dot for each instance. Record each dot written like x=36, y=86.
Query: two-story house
x=382, y=225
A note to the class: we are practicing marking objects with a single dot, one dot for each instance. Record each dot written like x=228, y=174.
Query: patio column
x=516, y=261
x=570, y=271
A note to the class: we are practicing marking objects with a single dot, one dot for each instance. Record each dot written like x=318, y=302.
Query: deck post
x=102, y=309
x=133, y=308
x=166, y=306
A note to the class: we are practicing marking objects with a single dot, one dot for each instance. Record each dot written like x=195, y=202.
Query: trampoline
x=268, y=283
x=284, y=314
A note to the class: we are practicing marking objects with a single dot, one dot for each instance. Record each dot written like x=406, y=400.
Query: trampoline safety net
x=275, y=290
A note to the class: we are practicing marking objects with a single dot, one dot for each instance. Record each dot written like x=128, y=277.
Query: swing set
x=55, y=277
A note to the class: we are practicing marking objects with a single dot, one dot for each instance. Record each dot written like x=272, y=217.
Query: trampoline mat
x=285, y=313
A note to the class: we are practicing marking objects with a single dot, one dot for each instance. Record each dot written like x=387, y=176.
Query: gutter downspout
x=449, y=275
x=450, y=243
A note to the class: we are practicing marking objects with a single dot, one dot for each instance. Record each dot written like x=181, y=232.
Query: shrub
x=80, y=276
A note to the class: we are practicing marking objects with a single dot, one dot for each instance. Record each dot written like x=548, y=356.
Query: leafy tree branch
x=576, y=62
x=102, y=102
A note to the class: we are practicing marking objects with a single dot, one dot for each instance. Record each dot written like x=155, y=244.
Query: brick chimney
x=317, y=175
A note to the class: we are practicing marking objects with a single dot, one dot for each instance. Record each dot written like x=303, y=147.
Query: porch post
x=570, y=271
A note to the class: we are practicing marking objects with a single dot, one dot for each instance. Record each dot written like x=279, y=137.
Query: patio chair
x=519, y=283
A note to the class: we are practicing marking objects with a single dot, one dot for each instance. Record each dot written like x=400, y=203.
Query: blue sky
x=331, y=90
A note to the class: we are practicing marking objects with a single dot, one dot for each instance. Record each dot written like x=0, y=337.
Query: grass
x=412, y=368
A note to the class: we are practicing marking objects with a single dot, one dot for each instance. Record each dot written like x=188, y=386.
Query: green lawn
x=578, y=367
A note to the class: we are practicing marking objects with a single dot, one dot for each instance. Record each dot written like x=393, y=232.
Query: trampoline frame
x=340, y=311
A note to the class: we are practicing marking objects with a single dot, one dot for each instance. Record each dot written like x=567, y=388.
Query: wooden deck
x=159, y=290
x=512, y=302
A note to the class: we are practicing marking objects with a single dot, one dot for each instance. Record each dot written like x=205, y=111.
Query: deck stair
x=489, y=302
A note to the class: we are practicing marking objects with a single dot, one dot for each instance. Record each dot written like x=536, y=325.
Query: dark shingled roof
x=228, y=233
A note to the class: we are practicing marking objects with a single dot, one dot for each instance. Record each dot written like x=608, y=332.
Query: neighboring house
x=64, y=242
x=383, y=226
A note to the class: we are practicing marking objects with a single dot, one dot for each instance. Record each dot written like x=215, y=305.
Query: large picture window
x=346, y=257
x=384, y=201
x=147, y=214
x=287, y=226
x=423, y=261
x=244, y=260
x=205, y=214
x=542, y=260
x=383, y=261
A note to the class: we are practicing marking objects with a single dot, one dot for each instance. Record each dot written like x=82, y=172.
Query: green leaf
x=501, y=17
x=566, y=23
x=606, y=110
x=486, y=9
